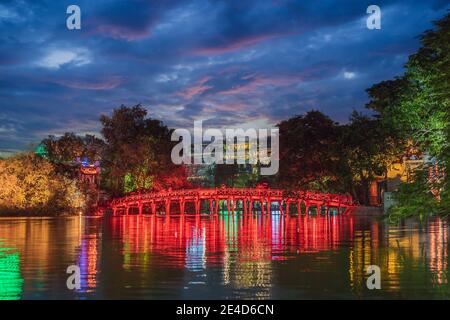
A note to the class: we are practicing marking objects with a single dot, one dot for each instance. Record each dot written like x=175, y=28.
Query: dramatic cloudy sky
x=228, y=62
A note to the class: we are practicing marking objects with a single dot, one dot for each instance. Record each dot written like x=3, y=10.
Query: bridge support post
x=197, y=206
x=182, y=204
x=167, y=207
x=324, y=202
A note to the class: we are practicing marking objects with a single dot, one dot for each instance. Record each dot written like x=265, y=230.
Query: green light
x=129, y=185
x=10, y=279
x=41, y=150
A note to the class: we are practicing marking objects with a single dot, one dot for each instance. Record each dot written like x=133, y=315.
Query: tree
x=319, y=154
x=63, y=151
x=417, y=105
x=367, y=147
x=32, y=185
x=415, y=199
x=137, y=153
x=70, y=146
x=308, y=155
x=428, y=71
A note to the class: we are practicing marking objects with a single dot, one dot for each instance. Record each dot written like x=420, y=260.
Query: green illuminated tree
x=417, y=105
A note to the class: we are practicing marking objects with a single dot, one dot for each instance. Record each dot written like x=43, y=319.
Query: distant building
x=203, y=175
x=397, y=173
x=89, y=173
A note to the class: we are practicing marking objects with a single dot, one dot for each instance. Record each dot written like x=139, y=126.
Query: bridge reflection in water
x=272, y=237
x=231, y=200
x=223, y=256
x=242, y=248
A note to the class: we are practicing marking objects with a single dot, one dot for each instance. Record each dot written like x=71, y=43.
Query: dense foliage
x=63, y=151
x=69, y=146
x=417, y=107
x=319, y=154
x=32, y=185
x=137, y=153
x=308, y=152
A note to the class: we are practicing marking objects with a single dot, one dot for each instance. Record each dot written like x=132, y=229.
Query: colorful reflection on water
x=217, y=257
x=10, y=278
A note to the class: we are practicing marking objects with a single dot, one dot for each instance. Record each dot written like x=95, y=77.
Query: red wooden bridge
x=231, y=200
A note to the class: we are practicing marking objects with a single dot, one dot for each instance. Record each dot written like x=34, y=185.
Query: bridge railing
x=238, y=193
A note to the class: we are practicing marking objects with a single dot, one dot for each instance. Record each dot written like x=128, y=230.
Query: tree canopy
x=416, y=106
x=308, y=151
x=68, y=147
x=32, y=185
x=317, y=153
x=137, y=153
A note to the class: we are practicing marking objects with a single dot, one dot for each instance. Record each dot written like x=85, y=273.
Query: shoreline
x=37, y=216
x=369, y=211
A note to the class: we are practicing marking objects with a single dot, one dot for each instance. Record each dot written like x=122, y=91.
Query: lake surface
x=221, y=257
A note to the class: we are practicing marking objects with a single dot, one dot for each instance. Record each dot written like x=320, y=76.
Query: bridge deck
x=247, y=197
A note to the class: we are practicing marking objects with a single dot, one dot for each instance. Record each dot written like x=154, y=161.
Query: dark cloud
x=225, y=62
x=128, y=20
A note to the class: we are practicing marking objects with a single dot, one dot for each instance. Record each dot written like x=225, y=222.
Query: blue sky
x=243, y=63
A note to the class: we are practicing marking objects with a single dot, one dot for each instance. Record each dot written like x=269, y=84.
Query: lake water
x=221, y=257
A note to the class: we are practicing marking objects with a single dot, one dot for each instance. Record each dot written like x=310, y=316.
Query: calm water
x=222, y=257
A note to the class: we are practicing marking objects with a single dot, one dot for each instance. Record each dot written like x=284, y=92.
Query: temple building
x=399, y=172
x=89, y=173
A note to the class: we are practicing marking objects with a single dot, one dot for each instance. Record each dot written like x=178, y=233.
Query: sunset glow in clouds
x=227, y=62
